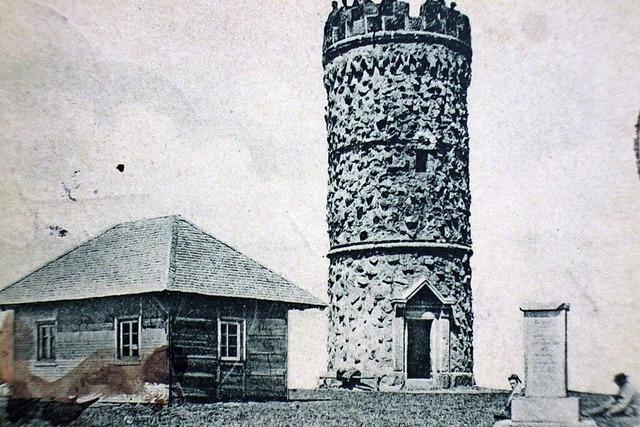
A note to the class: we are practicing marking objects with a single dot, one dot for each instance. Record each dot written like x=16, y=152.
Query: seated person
x=517, y=390
x=625, y=402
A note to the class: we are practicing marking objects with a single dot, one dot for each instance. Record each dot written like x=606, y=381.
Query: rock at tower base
x=545, y=403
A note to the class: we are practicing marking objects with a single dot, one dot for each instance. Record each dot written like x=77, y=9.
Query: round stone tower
x=399, y=200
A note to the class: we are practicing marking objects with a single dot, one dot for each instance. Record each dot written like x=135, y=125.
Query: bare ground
x=321, y=409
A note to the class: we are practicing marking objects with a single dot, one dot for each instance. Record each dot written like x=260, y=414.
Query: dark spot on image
x=120, y=167
x=67, y=191
x=68, y=188
x=57, y=230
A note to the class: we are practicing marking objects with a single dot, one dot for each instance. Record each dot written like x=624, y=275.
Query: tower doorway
x=419, y=348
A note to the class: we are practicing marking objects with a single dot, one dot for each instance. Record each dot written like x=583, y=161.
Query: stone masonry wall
x=398, y=142
x=385, y=103
x=360, y=289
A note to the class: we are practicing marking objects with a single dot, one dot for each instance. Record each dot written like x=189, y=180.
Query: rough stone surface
x=360, y=292
x=398, y=142
x=378, y=118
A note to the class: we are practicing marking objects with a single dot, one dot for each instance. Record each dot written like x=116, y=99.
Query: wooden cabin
x=153, y=310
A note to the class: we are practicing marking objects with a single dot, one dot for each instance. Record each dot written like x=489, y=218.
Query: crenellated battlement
x=364, y=17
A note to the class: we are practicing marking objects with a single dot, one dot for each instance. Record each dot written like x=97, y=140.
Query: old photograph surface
x=347, y=212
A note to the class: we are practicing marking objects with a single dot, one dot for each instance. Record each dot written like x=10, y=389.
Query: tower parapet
x=366, y=19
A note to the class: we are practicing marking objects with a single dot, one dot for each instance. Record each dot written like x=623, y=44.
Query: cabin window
x=46, y=341
x=128, y=338
x=231, y=339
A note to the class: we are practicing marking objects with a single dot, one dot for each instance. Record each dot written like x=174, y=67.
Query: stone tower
x=399, y=200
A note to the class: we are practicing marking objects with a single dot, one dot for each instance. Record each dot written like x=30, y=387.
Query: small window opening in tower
x=422, y=156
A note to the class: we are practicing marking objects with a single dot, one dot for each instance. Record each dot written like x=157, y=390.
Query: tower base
x=398, y=382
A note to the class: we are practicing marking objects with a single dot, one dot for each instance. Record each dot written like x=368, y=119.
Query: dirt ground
x=320, y=409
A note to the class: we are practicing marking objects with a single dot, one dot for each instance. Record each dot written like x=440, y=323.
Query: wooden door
x=418, y=348
x=193, y=359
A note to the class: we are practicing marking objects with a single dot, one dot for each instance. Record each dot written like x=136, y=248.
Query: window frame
x=423, y=159
x=241, y=339
x=119, y=322
x=52, y=325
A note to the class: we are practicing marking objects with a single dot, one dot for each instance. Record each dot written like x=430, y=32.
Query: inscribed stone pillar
x=545, y=360
x=545, y=402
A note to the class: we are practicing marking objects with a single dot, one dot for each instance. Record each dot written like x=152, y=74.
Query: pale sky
x=216, y=110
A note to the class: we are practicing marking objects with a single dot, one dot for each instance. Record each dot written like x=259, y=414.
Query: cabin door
x=193, y=359
x=418, y=348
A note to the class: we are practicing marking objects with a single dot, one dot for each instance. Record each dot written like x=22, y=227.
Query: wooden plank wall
x=193, y=356
x=266, y=369
x=197, y=372
x=86, y=351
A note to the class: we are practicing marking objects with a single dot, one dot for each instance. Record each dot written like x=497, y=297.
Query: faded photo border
x=116, y=112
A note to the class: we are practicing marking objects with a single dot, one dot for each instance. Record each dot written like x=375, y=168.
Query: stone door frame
x=439, y=313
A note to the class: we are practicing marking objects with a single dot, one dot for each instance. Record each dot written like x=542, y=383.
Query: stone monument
x=546, y=403
x=399, y=199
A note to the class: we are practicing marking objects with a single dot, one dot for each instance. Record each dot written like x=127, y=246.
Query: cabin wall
x=86, y=358
x=6, y=347
x=198, y=373
x=267, y=348
x=192, y=340
x=178, y=358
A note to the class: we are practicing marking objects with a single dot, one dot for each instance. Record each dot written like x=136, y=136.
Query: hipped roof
x=154, y=255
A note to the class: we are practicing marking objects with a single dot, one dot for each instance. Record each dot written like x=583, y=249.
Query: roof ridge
x=154, y=218
x=171, y=267
x=247, y=257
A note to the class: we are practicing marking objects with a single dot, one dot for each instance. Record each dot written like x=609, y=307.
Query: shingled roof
x=153, y=255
